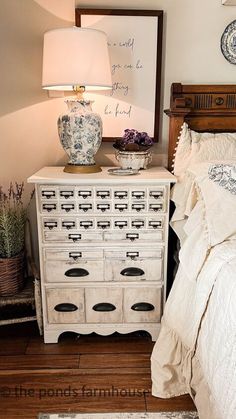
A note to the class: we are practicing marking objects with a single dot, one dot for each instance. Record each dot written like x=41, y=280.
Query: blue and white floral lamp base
x=80, y=132
x=77, y=60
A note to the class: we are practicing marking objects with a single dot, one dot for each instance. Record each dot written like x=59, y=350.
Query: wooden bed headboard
x=204, y=107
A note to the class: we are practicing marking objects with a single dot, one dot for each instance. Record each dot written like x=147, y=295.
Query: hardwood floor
x=79, y=374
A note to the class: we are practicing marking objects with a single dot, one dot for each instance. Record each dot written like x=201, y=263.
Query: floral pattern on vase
x=80, y=132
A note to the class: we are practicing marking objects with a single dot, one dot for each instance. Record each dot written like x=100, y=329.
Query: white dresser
x=103, y=250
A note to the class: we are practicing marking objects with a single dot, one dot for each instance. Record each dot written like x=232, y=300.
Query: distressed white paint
x=102, y=252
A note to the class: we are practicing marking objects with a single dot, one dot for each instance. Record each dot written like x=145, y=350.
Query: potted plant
x=13, y=215
x=133, y=149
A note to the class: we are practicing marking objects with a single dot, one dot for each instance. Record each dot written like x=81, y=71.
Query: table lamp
x=77, y=60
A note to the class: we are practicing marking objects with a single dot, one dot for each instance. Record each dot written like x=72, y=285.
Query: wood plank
x=28, y=408
x=13, y=346
x=93, y=344
x=33, y=393
x=76, y=379
x=76, y=371
x=53, y=370
x=36, y=346
x=155, y=404
x=21, y=362
x=126, y=360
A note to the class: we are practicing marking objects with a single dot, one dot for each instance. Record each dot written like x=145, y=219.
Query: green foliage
x=13, y=216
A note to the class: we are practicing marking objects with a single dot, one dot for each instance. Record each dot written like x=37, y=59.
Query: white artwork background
x=132, y=42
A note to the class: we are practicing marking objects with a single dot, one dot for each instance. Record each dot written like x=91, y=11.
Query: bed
x=196, y=349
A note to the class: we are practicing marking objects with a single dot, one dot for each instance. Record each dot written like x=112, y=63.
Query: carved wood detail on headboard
x=203, y=107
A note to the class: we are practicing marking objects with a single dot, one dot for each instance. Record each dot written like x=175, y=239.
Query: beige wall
x=28, y=132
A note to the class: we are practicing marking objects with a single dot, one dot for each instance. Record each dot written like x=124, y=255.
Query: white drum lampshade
x=75, y=58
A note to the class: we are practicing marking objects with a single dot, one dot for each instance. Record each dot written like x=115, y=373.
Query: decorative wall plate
x=228, y=42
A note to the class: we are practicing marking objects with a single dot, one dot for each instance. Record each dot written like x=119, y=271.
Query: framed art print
x=135, y=47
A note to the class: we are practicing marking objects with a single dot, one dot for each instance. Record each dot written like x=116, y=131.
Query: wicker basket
x=11, y=275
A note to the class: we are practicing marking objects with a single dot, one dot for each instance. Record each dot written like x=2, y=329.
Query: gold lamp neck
x=77, y=91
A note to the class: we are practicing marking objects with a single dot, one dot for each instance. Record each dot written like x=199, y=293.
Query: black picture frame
x=157, y=44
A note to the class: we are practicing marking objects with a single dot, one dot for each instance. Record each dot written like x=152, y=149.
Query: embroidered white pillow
x=184, y=194
x=219, y=203
x=213, y=217
x=195, y=147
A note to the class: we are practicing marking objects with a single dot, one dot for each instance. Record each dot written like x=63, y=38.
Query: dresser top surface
x=55, y=175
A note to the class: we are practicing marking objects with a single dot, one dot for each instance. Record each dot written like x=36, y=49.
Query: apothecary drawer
x=120, y=193
x=133, y=265
x=78, y=271
x=155, y=223
x=49, y=207
x=121, y=207
x=142, y=305
x=103, y=305
x=50, y=223
x=73, y=266
x=48, y=192
x=156, y=193
x=65, y=305
x=67, y=207
x=102, y=193
x=156, y=207
x=71, y=237
x=85, y=207
x=67, y=192
x=133, y=236
x=84, y=193
x=73, y=254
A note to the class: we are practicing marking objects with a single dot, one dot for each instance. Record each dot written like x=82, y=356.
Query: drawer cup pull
x=75, y=255
x=103, y=207
x=142, y=307
x=137, y=224
x=103, y=194
x=121, y=195
x=156, y=195
x=155, y=224
x=50, y=224
x=132, y=272
x=76, y=272
x=101, y=307
x=49, y=207
x=155, y=207
x=121, y=224
x=66, y=194
x=65, y=307
x=48, y=194
x=132, y=236
x=68, y=224
x=74, y=237
x=138, y=207
x=103, y=224
x=67, y=207
x=85, y=207
x=132, y=255
x=86, y=224
x=85, y=194
x=138, y=195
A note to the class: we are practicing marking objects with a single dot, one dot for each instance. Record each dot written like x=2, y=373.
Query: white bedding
x=196, y=350
x=216, y=349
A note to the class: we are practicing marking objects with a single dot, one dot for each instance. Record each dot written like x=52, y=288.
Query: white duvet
x=216, y=343
x=196, y=350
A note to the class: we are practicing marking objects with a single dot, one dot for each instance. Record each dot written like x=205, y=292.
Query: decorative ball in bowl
x=133, y=149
